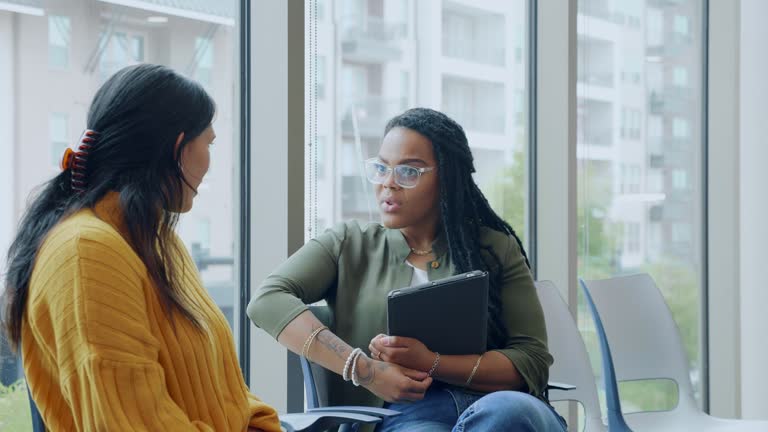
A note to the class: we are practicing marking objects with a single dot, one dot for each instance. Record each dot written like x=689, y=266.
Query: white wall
x=754, y=208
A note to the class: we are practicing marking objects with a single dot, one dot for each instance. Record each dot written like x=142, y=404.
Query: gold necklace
x=421, y=252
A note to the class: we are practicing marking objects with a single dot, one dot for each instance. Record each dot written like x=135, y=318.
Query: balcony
x=656, y=161
x=371, y=39
x=673, y=100
x=368, y=116
x=474, y=51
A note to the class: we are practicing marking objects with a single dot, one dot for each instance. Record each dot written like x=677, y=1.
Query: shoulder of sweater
x=85, y=236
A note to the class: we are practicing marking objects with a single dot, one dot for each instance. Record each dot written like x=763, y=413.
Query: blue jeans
x=446, y=408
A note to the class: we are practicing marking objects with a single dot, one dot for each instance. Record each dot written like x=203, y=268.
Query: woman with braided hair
x=102, y=298
x=435, y=223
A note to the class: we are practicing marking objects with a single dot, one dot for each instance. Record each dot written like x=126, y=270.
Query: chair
x=633, y=319
x=571, y=358
x=316, y=379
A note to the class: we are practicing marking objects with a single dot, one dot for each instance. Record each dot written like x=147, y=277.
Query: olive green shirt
x=353, y=268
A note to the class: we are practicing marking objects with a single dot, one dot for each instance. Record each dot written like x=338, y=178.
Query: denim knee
x=507, y=411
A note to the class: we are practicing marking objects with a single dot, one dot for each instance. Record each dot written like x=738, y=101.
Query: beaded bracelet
x=352, y=356
x=354, y=369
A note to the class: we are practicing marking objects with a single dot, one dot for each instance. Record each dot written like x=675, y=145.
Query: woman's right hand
x=391, y=382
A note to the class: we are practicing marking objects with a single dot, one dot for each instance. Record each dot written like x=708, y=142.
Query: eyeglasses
x=406, y=176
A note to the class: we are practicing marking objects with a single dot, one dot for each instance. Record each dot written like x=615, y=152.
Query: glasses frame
x=391, y=170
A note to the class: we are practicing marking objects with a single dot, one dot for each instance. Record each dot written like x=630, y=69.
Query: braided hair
x=463, y=207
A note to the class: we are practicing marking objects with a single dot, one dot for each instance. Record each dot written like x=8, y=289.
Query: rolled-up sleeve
x=305, y=278
x=526, y=345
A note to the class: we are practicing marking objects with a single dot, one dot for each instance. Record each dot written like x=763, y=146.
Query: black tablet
x=448, y=315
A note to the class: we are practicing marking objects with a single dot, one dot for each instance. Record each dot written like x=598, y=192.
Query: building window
x=405, y=89
x=476, y=105
x=204, y=60
x=474, y=36
x=680, y=25
x=680, y=179
x=680, y=128
x=680, y=76
x=59, y=39
x=58, y=136
x=632, y=234
x=681, y=233
x=320, y=77
x=320, y=149
x=120, y=50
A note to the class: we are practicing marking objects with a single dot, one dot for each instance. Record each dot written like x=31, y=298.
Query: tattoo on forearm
x=365, y=370
x=334, y=344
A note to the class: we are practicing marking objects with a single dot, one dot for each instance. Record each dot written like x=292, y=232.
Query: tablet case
x=448, y=315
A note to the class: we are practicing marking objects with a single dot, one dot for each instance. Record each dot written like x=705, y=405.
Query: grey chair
x=571, y=358
x=645, y=344
x=316, y=384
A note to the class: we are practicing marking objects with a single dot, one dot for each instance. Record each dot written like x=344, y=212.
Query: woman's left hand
x=403, y=351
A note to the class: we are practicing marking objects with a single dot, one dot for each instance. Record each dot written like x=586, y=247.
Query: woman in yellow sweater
x=115, y=328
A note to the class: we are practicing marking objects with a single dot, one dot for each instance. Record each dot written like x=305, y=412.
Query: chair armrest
x=552, y=385
x=310, y=422
x=379, y=412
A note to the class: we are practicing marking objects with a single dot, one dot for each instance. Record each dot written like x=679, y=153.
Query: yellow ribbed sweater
x=101, y=354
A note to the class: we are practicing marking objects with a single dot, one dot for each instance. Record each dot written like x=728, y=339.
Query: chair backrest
x=316, y=377
x=644, y=338
x=571, y=359
x=37, y=420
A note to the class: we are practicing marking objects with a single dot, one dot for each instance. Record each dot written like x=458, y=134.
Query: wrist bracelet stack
x=308, y=343
x=347, y=373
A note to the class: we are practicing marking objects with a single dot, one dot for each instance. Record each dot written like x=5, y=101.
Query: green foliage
x=507, y=192
x=14, y=407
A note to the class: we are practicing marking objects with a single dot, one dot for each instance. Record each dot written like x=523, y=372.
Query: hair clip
x=75, y=158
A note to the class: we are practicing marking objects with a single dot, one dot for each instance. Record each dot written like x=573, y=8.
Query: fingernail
x=387, y=340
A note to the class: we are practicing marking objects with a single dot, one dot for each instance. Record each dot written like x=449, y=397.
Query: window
x=476, y=105
x=380, y=71
x=681, y=25
x=473, y=35
x=405, y=88
x=681, y=233
x=680, y=76
x=59, y=37
x=680, y=128
x=118, y=50
x=320, y=77
x=204, y=60
x=654, y=27
x=680, y=179
x=59, y=137
x=633, y=237
x=651, y=219
x=94, y=40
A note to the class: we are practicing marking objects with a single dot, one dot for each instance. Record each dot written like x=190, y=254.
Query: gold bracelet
x=308, y=342
x=474, y=370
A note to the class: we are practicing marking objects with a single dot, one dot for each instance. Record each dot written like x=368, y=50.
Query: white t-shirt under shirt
x=419, y=275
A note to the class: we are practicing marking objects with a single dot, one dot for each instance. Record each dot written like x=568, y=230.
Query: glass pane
x=45, y=109
x=640, y=187
x=59, y=35
x=370, y=66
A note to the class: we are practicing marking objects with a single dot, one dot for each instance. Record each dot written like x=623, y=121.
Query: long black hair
x=137, y=115
x=463, y=207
